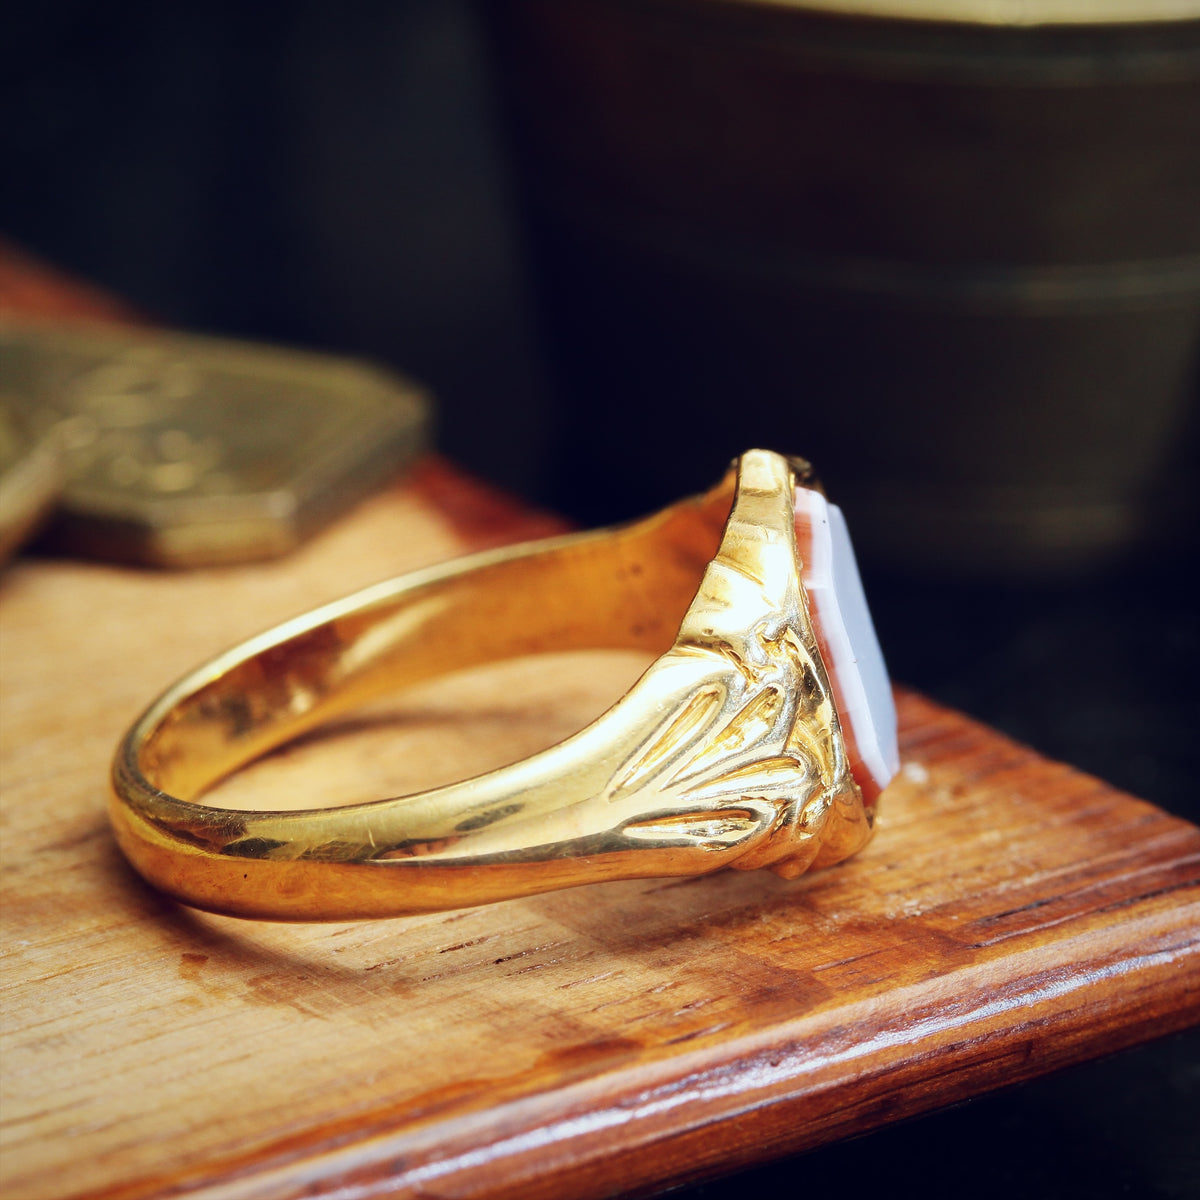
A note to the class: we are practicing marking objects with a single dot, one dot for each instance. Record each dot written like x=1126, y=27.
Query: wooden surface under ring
x=1010, y=916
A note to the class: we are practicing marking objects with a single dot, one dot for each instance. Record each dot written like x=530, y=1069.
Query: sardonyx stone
x=847, y=640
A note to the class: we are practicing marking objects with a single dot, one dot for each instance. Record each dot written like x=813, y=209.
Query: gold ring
x=759, y=737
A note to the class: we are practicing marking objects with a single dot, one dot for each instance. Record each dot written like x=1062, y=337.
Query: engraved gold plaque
x=186, y=451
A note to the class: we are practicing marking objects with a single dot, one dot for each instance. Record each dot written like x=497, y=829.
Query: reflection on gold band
x=728, y=751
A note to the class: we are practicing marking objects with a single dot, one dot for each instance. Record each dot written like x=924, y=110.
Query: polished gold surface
x=186, y=451
x=728, y=751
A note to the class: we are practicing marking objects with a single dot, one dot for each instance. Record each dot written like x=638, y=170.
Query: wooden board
x=1010, y=916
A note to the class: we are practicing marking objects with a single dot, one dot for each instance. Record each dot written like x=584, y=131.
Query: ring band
x=759, y=737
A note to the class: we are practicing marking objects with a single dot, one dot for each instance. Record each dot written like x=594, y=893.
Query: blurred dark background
x=343, y=177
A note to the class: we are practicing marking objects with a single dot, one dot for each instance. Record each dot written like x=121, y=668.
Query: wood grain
x=1010, y=916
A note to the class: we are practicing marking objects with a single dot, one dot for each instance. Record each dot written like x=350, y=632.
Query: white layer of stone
x=854, y=659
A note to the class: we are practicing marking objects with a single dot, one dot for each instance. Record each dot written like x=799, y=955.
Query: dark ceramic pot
x=957, y=265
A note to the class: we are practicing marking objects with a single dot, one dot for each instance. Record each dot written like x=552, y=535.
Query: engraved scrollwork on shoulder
x=754, y=760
